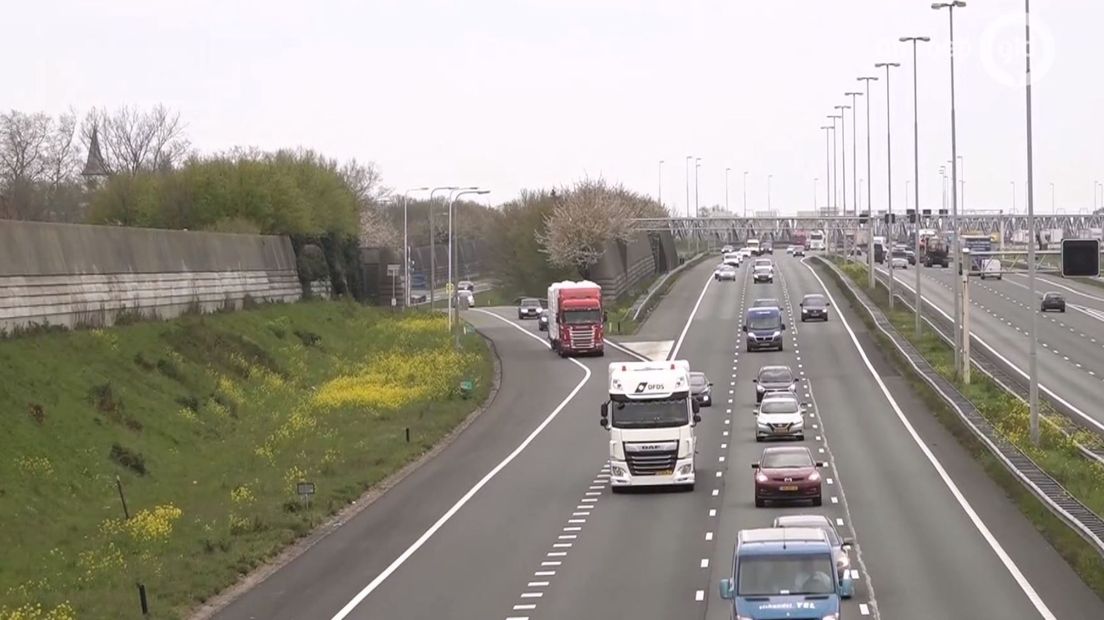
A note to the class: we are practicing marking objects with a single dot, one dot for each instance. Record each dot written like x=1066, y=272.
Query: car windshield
x=762, y=263
x=698, y=379
x=465, y=286
x=581, y=317
x=781, y=405
x=530, y=303
x=785, y=575
x=775, y=375
x=1052, y=296
x=785, y=459
x=764, y=303
x=649, y=413
x=813, y=301
x=764, y=320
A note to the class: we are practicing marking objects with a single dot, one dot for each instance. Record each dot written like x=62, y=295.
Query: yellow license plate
x=666, y=472
x=788, y=488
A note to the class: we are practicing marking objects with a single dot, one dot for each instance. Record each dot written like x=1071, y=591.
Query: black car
x=529, y=308
x=542, y=322
x=702, y=388
x=814, y=306
x=774, y=379
x=1053, y=301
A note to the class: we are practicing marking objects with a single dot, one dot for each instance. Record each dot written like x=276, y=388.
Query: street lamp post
x=745, y=193
x=406, y=245
x=889, y=177
x=697, y=167
x=1033, y=377
x=835, y=162
x=1052, y=207
x=727, y=170
x=816, y=181
x=916, y=168
x=660, y=179
x=688, y=158
x=843, y=148
x=827, y=166
x=869, y=196
x=957, y=247
x=854, y=155
x=433, y=245
x=451, y=284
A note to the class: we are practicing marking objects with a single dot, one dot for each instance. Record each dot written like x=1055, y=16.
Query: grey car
x=814, y=307
x=702, y=388
x=841, y=547
x=774, y=379
x=529, y=308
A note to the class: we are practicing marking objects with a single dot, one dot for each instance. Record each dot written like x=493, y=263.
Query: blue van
x=764, y=328
x=783, y=573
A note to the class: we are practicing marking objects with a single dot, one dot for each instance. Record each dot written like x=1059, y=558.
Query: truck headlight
x=685, y=469
x=617, y=471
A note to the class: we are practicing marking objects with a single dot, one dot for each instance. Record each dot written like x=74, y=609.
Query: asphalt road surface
x=1071, y=344
x=515, y=519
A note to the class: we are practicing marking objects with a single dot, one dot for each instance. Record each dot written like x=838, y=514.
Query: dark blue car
x=764, y=328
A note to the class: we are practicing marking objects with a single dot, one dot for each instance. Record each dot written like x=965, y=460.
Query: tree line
x=133, y=167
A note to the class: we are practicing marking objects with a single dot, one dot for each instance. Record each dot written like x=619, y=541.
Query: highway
x=515, y=518
x=1071, y=344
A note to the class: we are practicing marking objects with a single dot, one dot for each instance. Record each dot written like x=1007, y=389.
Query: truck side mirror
x=697, y=418
x=605, y=415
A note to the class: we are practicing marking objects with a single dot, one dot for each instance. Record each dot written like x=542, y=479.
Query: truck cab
x=753, y=245
x=782, y=573
x=575, y=318
x=650, y=417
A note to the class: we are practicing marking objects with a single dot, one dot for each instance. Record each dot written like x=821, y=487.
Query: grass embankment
x=209, y=422
x=1056, y=454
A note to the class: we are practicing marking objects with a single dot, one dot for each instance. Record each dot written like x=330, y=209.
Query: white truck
x=651, y=417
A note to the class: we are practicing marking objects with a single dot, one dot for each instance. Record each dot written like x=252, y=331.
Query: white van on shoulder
x=990, y=268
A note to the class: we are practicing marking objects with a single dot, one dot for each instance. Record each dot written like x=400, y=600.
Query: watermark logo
x=1002, y=50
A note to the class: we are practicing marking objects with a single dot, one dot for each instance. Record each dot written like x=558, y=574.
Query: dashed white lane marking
x=532, y=594
x=709, y=535
x=835, y=500
x=864, y=609
x=699, y=595
x=712, y=512
x=544, y=573
x=536, y=584
x=704, y=563
x=551, y=563
x=839, y=521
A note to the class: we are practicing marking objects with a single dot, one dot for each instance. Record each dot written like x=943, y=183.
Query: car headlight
x=760, y=388
x=777, y=334
x=760, y=477
x=815, y=476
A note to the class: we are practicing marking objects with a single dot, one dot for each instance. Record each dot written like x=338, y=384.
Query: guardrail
x=1003, y=374
x=1046, y=489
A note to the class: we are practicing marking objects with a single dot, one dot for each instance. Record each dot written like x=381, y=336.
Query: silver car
x=780, y=416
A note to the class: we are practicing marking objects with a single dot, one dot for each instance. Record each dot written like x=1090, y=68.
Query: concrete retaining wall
x=65, y=274
x=624, y=265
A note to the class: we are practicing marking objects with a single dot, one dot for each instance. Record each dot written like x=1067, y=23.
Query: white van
x=991, y=268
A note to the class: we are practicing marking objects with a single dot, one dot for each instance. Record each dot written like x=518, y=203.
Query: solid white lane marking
x=678, y=343
x=464, y=499
x=994, y=544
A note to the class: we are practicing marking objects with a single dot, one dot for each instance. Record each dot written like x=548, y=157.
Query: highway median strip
x=1057, y=458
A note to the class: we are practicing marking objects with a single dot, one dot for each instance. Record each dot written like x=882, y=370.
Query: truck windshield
x=650, y=413
x=581, y=317
x=764, y=320
x=786, y=575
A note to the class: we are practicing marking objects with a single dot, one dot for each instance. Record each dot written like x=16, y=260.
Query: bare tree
x=366, y=183
x=585, y=219
x=24, y=140
x=132, y=140
x=38, y=165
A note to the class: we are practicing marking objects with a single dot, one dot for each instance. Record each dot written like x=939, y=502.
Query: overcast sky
x=513, y=94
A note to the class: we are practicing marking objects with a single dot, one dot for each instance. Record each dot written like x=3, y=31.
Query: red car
x=787, y=474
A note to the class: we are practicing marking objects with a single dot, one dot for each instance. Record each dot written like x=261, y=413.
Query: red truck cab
x=575, y=318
